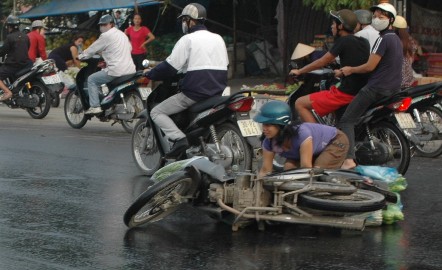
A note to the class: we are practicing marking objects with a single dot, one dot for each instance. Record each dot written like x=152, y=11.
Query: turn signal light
x=243, y=105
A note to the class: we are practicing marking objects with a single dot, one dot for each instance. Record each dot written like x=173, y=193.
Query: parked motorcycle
x=219, y=128
x=122, y=103
x=378, y=138
x=424, y=132
x=340, y=199
x=30, y=91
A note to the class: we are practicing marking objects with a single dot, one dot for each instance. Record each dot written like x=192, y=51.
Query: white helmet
x=385, y=7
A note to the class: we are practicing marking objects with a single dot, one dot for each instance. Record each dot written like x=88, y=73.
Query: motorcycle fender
x=200, y=163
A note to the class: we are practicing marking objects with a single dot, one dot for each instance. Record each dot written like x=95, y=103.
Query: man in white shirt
x=200, y=54
x=364, y=28
x=115, y=48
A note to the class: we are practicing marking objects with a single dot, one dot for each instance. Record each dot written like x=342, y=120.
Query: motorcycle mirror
x=145, y=63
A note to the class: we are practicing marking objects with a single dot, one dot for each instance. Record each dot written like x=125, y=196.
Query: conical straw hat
x=302, y=50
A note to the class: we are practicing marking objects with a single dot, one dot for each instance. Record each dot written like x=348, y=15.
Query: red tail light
x=242, y=105
x=401, y=106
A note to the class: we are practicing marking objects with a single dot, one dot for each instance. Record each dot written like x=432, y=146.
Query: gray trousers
x=160, y=114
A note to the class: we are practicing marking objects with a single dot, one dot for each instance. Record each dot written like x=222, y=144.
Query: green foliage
x=328, y=5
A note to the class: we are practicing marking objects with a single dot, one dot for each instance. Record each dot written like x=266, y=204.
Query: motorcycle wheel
x=42, y=109
x=230, y=136
x=359, y=201
x=134, y=105
x=159, y=200
x=393, y=138
x=429, y=148
x=145, y=148
x=74, y=111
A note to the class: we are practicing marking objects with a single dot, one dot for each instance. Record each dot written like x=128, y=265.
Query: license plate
x=249, y=128
x=52, y=79
x=144, y=92
x=405, y=120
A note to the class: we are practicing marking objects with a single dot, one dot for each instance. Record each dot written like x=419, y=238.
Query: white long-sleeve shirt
x=115, y=48
x=368, y=33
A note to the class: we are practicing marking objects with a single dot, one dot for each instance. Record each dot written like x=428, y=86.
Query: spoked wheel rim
x=74, y=110
x=162, y=203
x=231, y=137
x=145, y=148
x=431, y=119
x=134, y=106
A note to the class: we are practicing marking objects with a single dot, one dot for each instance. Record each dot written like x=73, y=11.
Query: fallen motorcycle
x=340, y=199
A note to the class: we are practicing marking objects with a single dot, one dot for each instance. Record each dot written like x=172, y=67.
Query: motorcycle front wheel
x=74, y=111
x=134, y=106
x=159, y=200
x=431, y=121
x=38, y=90
x=393, y=139
x=230, y=136
x=145, y=149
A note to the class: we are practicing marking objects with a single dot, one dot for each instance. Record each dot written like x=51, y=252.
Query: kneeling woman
x=303, y=145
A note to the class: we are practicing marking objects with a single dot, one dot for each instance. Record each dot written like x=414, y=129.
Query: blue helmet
x=274, y=112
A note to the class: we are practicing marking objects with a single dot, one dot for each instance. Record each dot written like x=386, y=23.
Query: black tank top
x=63, y=51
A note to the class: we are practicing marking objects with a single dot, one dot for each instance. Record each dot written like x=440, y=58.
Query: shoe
x=178, y=147
x=6, y=96
x=94, y=110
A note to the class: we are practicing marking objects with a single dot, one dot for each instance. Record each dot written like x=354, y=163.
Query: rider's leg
x=354, y=111
x=160, y=115
x=303, y=106
x=291, y=164
x=333, y=156
x=94, y=83
x=4, y=73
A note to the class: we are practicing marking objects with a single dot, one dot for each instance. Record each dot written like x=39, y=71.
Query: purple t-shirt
x=320, y=134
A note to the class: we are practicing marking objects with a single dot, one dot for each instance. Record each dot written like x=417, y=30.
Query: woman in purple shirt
x=304, y=145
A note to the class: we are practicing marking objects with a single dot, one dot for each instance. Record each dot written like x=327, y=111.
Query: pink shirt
x=137, y=38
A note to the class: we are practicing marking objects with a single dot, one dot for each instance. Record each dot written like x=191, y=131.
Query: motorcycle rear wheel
x=74, y=111
x=135, y=105
x=158, y=201
x=42, y=109
x=359, y=201
x=145, y=149
x=230, y=136
x=432, y=148
x=393, y=138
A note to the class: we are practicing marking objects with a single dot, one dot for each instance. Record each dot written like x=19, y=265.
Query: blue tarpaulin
x=62, y=7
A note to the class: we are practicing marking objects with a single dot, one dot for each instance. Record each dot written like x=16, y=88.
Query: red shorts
x=325, y=102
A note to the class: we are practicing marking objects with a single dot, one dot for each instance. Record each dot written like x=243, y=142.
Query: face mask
x=379, y=24
x=185, y=28
x=103, y=29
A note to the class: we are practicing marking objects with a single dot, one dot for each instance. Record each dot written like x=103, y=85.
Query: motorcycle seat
x=120, y=80
x=422, y=89
x=209, y=103
x=23, y=71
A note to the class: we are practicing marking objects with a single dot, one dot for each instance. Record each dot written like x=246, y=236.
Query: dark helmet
x=347, y=18
x=12, y=20
x=105, y=19
x=364, y=16
x=194, y=11
x=274, y=112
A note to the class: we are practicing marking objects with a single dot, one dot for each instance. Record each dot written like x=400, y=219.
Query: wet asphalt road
x=63, y=193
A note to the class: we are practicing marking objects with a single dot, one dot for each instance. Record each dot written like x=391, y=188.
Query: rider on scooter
x=115, y=49
x=202, y=55
x=16, y=47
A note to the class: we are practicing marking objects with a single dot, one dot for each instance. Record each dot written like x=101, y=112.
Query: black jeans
x=355, y=109
x=138, y=60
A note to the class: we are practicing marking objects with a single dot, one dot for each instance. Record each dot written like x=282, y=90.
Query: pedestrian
x=37, y=48
x=409, y=45
x=384, y=66
x=352, y=51
x=203, y=55
x=139, y=37
x=364, y=28
x=303, y=145
x=114, y=47
x=67, y=53
x=119, y=20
